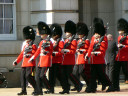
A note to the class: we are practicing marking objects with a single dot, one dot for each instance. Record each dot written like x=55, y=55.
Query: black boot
x=80, y=87
x=74, y=89
x=90, y=90
x=37, y=93
x=22, y=93
x=64, y=91
x=103, y=87
x=49, y=91
x=110, y=89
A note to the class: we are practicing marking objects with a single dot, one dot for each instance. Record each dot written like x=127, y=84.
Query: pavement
x=14, y=91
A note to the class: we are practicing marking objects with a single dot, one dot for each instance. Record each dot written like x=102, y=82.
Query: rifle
x=68, y=43
x=121, y=40
x=47, y=43
x=58, y=40
x=81, y=43
x=29, y=48
x=96, y=46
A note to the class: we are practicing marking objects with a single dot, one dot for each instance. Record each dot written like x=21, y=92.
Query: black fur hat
x=122, y=25
x=56, y=29
x=29, y=33
x=97, y=20
x=70, y=27
x=81, y=29
x=99, y=28
x=43, y=28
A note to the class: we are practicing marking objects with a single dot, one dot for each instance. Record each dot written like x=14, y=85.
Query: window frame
x=12, y=36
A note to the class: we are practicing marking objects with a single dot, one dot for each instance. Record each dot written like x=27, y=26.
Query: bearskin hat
x=97, y=20
x=29, y=33
x=43, y=28
x=122, y=25
x=81, y=28
x=56, y=29
x=99, y=28
x=70, y=27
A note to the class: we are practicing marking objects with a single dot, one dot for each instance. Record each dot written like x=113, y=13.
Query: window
x=7, y=20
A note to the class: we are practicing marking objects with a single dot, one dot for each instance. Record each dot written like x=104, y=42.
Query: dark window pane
x=1, y=27
x=8, y=1
x=8, y=12
x=1, y=11
x=8, y=27
x=1, y=1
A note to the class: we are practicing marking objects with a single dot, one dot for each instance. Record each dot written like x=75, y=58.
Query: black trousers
x=110, y=70
x=41, y=78
x=66, y=74
x=117, y=67
x=26, y=75
x=98, y=71
x=83, y=70
x=55, y=73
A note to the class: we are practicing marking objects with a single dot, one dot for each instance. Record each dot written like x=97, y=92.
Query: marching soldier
x=122, y=56
x=45, y=50
x=69, y=50
x=97, y=53
x=27, y=68
x=99, y=20
x=58, y=44
x=82, y=47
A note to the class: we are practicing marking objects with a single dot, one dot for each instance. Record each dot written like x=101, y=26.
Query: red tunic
x=58, y=55
x=99, y=59
x=92, y=43
x=80, y=57
x=69, y=57
x=25, y=62
x=45, y=60
x=123, y=52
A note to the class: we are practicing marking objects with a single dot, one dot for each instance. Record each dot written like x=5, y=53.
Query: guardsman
x=82, y=66
x=27, y=68
x=58, y=44
x=97, y=53
x=45, y=50
x=69, y=50
x=122, y=56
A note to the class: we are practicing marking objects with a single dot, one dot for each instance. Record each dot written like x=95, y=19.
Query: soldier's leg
x=125, y=69
x=45, y=80
x=116, y=74
x=64, y=79
x=38, y=80
x=23, y=79
x=30, y=78
x=102, y=75
x=92, y=84
x=23, y=82
x=52, y=73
